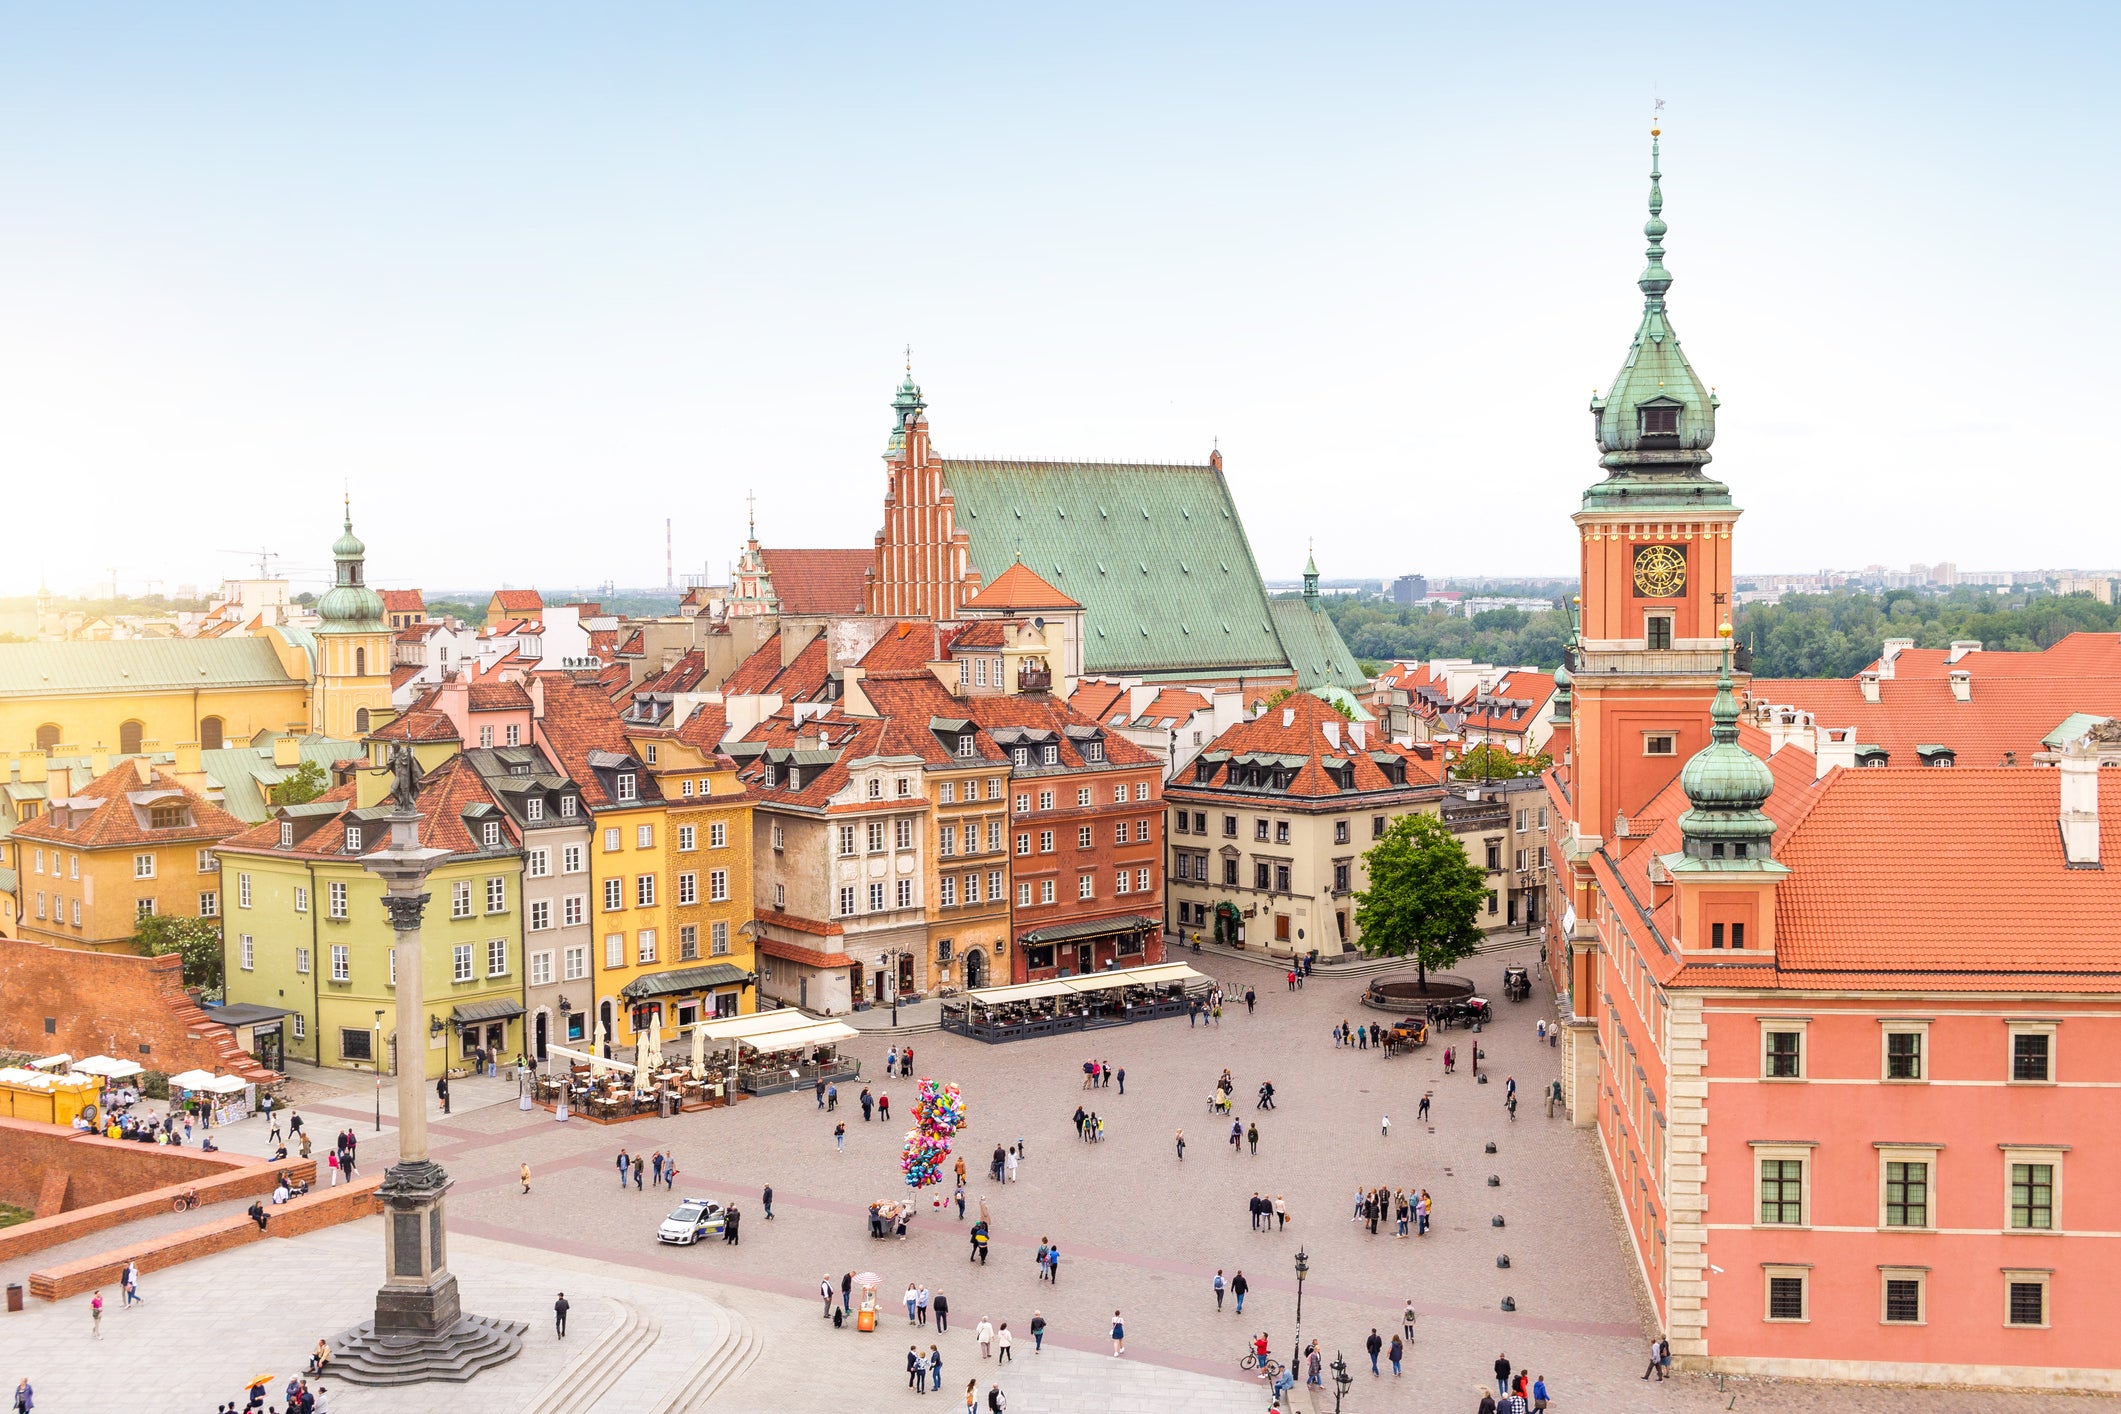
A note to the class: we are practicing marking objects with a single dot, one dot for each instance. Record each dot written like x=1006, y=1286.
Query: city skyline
x=480, y=267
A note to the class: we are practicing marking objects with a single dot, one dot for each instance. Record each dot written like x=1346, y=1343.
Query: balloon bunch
x=938, y=1113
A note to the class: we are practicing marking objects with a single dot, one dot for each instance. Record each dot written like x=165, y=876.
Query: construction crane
x=264, y=557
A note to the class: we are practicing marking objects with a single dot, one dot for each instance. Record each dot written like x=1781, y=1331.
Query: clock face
x=1660, y=571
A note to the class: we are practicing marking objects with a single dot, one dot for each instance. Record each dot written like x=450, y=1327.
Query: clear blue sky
x=531, y=277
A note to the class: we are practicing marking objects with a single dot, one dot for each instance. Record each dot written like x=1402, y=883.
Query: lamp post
x=378, y=1067
x=1303, y=1268
x=888, y=959
x=1341, y=1381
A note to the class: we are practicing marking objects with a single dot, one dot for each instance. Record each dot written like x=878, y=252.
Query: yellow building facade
x=711, y=968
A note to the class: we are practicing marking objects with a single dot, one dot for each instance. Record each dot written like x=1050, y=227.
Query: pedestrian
x=1259, y=1353
x=442, y=1093
x=1421, y=1113
x=960, y=1196
x=766, y=1202
x=883, y=1107
x=1542, y=1030
x=1406, y=1321
x=891, y=1061
x=1374, y=1344
x=1539, y=1393
x=1396, y=1354
x=1502, y=1370
x=730, y=1219
x=1281, y=1213
x=1553, y=1097
x=1119, y=1335
x=984, y=1334
x=1252, y=1138
x=868, y=1103
x=524, y=1174
x=1237, y=1134
x=25, y=1397
x=1122, y=1080
x=905, y=1062
x=1664, y=1358
x=656, y=1167
x=1002, y=1343
x=625, y=1162
x=95, y=1315
x=1219, y=1285
x=1250, y=997
x=1384, y=1129
x=1053, y=1264
x=1314, y=1361
x=942, y=1311
x=924, y=1306
x=824, y=1291
x=1180, y=1141
x=1238, y=1287
x=1009, y=1163
x=847, y=1292
x=996, y=1400
x=1038, y=1332
x=935, y=1369
x=559, y=1317
x=839, y=1137
x=1510, y=1103
x=832, y=1098
x=912, y=1296
x=972, y=1397
x=916, y=1370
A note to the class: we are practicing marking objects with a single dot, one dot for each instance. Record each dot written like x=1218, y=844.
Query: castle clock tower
x=1656, y=566
x=353, y=645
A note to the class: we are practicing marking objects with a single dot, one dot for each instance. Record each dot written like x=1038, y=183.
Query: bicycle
x=189, y=1198
x=1268, y=1367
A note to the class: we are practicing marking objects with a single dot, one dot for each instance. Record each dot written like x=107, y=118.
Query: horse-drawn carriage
x=1406, y=1033
x=1516, y=983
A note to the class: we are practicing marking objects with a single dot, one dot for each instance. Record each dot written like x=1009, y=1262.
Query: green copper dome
x=1655, y=424
x=1725, y=784
x=350, y=606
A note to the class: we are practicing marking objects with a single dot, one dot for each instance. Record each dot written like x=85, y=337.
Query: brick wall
x=109, y=1004
x=326, y=1207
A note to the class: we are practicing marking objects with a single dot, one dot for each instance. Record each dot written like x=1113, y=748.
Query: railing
x=1030, y=679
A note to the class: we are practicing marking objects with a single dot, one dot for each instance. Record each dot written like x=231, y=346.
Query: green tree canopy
x=196, y=940
x=1489, y=762
x=1424, y=896
x=304, y=784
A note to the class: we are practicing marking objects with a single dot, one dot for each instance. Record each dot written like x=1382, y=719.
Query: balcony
x=1034, y=677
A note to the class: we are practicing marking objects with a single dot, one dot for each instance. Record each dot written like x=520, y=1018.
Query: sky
x=524, y=280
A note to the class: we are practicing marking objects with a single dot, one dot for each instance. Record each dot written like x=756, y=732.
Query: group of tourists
x=1406, y=1209
x=660, y=1168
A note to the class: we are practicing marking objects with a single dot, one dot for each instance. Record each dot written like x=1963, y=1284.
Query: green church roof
x=1314, y=646
x=137, y=665
x=1155, y=554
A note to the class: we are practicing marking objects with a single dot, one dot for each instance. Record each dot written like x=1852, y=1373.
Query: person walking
x=1421, y=1111
x=996, y=1400
x=1238, y=1287
x=984, y=1334
x=1502, y=1371
x=640, y=1173
x=1009, y=1162
x=656, y=1167
x=524, y=1173
x=1002, y=1343
x=1374, y=1344
x=1406, y=1321
x=972, y=1397
x=1509, y=1103
x=1384, y=1128
x=1539, y=1394
x=95, y=1316
x=1252, y=1138
x=1053, y=1264
x=868, y=1103
x=1251, y=997
x=625, y=1162
x=129, y=1284
x=891, y=1061
x=941, y=1305
x=923, y=1303
x=1237, y=1135
x=25, y=1397
x=1553, y=1097
x=1038, y=1331
x=1281, y=1212
x=1219, y=1286
x=331, y=1165
x=1122, y=1073
x=1396, y=1354
x=1119, y=1336
x=1179, y=1141
x=559, y=1317
x=766, y=1202
x=883, y=1107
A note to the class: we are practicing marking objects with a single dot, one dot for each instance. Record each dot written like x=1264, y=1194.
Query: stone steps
x=631, y=1332
x=476, y=1343
x=739, y=1350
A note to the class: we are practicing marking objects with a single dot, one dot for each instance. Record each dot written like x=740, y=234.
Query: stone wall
x=113, y=1004
x=95, y=1170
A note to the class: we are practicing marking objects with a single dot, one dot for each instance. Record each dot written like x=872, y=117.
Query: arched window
x=129, y=737
x=47, y=737
x=360, y=662
x=210, y=733
x=360, y=720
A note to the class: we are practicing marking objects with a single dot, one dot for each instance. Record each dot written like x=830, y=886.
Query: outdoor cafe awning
x=758, y=1024
x=492, y=1009
x=1091, y=928
x=685, y=979
x=1162, y=974
x=801, y=1038
x=107, y=1067
x=591, y=1059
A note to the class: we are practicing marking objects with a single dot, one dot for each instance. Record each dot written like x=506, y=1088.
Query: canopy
x=758, y=1023
x=593, y=1059
x=50, y=1062
x=802, y=1037
x=1020, y=992
x=105, y=1066
x=209, y=1083
x=17, y=1078
x=1162, y=974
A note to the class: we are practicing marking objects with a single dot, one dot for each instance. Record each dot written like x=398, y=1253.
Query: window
x=574, y=964
x=1782, y=1191
x=1045, y=841
x=1082, y=836
x=143, y=908
x=1094, y=751
x=1119, y=885
x=644, y=891
x=460, y=899
x=2032, y=1196
x=490, y=835
x=210, y=904
x=354, y=1044
x=688, y=888
x=688, y=942
x=540, y=915
x=688, y=837
x=644, y=945
x=1782, y=1054
x=1259, y=831
x=905, y=787
x=994, y=836
x=948, y=897
x=533, y=809
x=301, y=962
x=1907, y=1190
x=301, y=899
x=1082, y=796
x=972, y=888
x=946, y=839
x=76, y=913
x=1023, y=843
x=876, y=836
x=614, y=949
x=651, y=754
x=513, y=736
x=1045, y=800
x=718, y=886
x=779, y=840
x=614, y=895
x=1340, y=832
x=1281, y=832
x=249, y=953
x=876, y=788
x=1023, y=804
x=208, y=861
x=1660, y=421
x=461, y=963
x=876, y=898
x=644, y=837
x=335, y=904
x=540, y=969
x=496, y=895
x=571, y=859
x=1785, y=1294
x=1045, y=891
x=720, y=939
x=1049, y=754
x=353, y=839
x=143, y=866
x=1340, y=878
x=994, y=885
x=1023, y=895
x=1903, y=1054
x=903, y=835
x=846, y=839
x=847, y=901
x=341, y=969
x=905, y=893
x=2032, y=1053
x=718, y=835
x=1181, y=823
x=626, y=788
x=497, y=957
x=2025, y=1298
x=1262, y=875
x=1141, y=881
x=567, y=806
x=1281, y=878
x=538, y=863
x=485, y=736
x=611, y=840
x=1657, y=632
x=1659, y=744
x=1230, y=871
x=573, y=908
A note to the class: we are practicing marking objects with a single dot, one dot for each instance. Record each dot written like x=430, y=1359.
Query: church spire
x=1310, y=575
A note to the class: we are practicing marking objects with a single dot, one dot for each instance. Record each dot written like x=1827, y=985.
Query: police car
x=695, y=1218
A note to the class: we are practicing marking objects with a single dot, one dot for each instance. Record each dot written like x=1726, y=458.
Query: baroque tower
x=923, y=563
x=353, y=646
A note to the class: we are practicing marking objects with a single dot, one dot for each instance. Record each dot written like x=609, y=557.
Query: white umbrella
x=596, y=1047
x=699, y=1053
x=655, y=1039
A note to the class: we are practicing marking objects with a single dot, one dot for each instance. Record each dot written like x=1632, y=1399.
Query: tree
x=1424, y=896
x=196, y=940
x=304, y=784
x=1489, y=762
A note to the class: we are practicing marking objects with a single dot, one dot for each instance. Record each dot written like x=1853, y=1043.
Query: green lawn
x=10, y=1215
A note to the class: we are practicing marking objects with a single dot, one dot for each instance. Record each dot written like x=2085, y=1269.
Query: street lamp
x=1341, y=1381
x=1303, y=1267
x=377, y=1066
x=888, y=960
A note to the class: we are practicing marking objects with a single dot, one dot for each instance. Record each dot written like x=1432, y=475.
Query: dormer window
x=795, y=778
x=876, y=788
x=1660, y=420
x=1050, y=755
x=166, y=817
x=967, y=745
x=533, y=809
x=566, y=807
x=767, y=777
x=491, y=835
x=1021, y=755
x=353, y=839
x=626, y=787
x=1093, y=751
x=287, y=834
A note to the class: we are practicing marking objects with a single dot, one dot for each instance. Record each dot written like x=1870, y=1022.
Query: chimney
x=1834, y=746
x=1332, y=730
x=186, y=762
x=1288, y=716
x=537, y=698
x=1894, y=647
x=36, y=768
x=2080, y=804
x=1963, y=646
x=98, y=760
x=1358, y=732
x=286, y=751
x=1869, y=682
x=1962, y=685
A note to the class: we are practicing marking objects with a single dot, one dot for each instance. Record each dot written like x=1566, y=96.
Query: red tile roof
x=2010, y=711
x=1044, y=712
x=519, y=601
x=985, y=633
x=819, y=581
x=706, y=727
x=824, y=774
x=1099, y=700
x=498, y=697
x=1296, y=728
x=109, y=815
x=682, y=675
x=762, y=673
x=1173, y=705
x=580, y=718
x=1018, y=587
x=419, y=722
x=1496, y=709
x=402, y=674
x=453, y=802
x=907, y=648
x=404, y=601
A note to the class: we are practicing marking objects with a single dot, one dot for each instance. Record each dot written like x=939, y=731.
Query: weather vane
x=1656, y=117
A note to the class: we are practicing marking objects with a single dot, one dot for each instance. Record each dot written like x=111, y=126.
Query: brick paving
x=1138, y=1229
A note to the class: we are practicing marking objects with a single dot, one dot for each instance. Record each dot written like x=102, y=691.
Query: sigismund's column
x=419, y=1332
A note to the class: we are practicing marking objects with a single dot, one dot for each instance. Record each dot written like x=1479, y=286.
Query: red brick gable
x=818, y=581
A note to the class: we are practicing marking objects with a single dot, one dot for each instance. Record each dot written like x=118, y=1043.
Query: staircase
x=739, y=1350
x=229, y=1056
x=631, y=1332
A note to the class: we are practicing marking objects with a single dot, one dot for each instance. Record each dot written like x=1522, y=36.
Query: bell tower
x=1656, y=567
x=353, y=645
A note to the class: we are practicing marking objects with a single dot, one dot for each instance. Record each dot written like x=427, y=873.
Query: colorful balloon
x=938, y=1114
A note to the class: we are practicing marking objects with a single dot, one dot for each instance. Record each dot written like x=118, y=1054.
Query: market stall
x=212, y=1099
x=1116, y=998
x=45, y=1097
